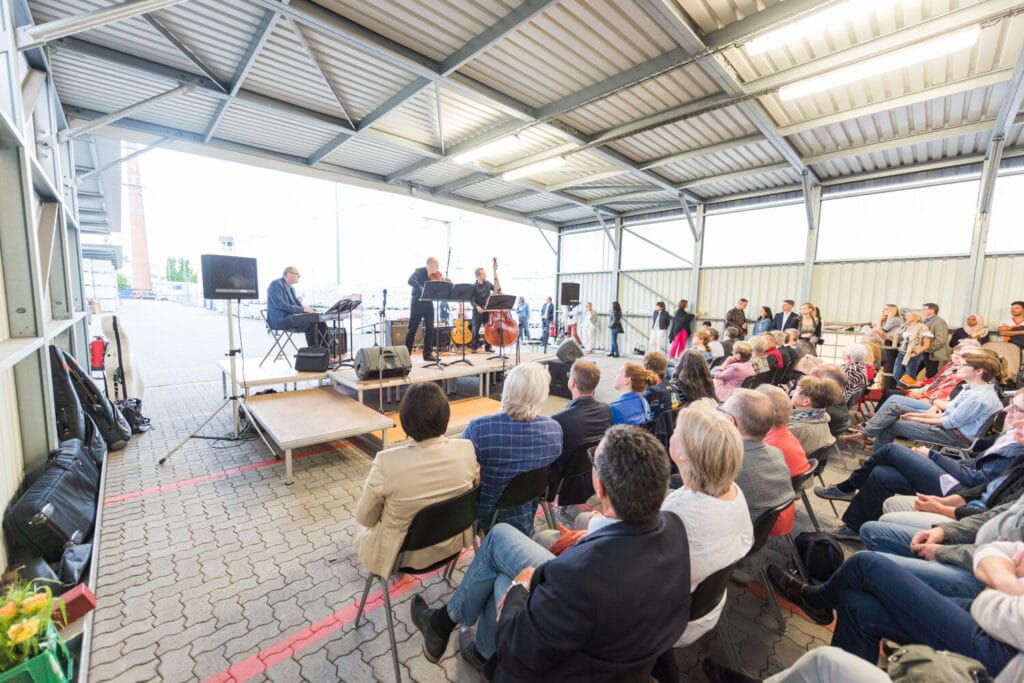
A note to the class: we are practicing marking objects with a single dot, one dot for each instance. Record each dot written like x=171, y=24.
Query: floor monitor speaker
x=570, y=294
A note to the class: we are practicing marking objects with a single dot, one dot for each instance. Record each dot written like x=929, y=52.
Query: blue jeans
x=615, y=342
x=886, y=424
x=544, y=325
x=890, y=469
x=894, y=540
x=505, y=552
x=911, y=368
x=876, y=598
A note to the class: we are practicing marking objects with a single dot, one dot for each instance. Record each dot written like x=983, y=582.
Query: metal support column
x=697, y=226
x=979, y=236
x=812, y=204
x=617, y=260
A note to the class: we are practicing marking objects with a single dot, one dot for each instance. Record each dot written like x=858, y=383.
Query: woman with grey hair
x=914, y=341
x=517, y=439
x=854, y=356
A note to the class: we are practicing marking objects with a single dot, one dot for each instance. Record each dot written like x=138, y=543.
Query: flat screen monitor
x=229, y=277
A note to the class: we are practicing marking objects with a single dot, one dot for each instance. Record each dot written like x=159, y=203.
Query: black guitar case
x=115, y=429
x=70, y=415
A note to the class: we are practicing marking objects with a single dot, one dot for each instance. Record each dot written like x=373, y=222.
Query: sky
x=282, y=219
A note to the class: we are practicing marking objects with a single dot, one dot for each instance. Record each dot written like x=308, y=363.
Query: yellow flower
x=34, y=602
x=8, y=611
x=23, y=630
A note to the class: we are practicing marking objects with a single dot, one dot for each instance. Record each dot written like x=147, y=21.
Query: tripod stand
x=433, y=292
x=462, y=293
x=235, y=400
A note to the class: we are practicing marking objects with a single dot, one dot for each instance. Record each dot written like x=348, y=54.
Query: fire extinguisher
x=551, y=328
x=97, y=349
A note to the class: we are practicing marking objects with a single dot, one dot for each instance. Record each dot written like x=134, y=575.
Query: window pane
x=921, y=221
x=777, y=234
x=586, y=252
x=674, y=236
x=1004, y=231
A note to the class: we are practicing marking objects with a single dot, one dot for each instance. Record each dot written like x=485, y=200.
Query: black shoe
x=791, y=588
x=470, y=655
x=429, y=358
x=719, y=673
x=434, y=643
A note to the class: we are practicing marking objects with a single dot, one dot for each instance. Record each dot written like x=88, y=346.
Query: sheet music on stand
x=340, y=307
x=433, y=292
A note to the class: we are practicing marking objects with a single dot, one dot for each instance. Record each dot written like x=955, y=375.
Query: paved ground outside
x=212, y=569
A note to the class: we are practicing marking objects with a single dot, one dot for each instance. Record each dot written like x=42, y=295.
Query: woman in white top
x=588, y=328
x=707, y=448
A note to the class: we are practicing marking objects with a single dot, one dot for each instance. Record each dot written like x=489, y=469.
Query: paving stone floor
x=211, y=569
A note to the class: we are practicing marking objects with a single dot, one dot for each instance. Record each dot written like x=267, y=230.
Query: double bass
x=500, y=329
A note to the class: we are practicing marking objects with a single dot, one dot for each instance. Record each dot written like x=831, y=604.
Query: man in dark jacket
x=584, y=421
x=543, y=627
x=283, y=304
x=735, y=317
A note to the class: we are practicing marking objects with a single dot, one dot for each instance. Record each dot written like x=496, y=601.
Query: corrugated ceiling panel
x=639, y=290
x=134, y=36
x=622, y=179
x=101, y=85
x=569, y=215
x=363, y=155
x=762, y=181
x=365, y=81
x=945, y=113
x=573, y=44
x=598, y=289
x=676, y=87
x=720, y=288
x=1015, y=136
x=855, y=292
x=709, y=15
x=727, y=161
x=285, y=70
x=462, y=118
x=489, y=189
x=1000, y=284
x=439, y=174
x=948, y=148
x=537, y=202
x=414, y=120
x=270, y=131
x=698, y=131
x=577, y=166
x=530, y=141
x=591, y=192
x=218, y=31
x=192, y=112
x=435, y=29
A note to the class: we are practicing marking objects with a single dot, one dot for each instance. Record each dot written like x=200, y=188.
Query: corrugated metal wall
x=1002, y=281
x=638, y=290
x=721, y=288
x=598, y=289
x=11, y=463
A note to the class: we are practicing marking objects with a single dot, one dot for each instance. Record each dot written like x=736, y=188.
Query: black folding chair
x=431, y=525
x=993, y=424
x=801, y=483
x=822, y=455
x=282, y=338
x=524, y=488
x=762, y=530
x=754, y=381
x=572, y=485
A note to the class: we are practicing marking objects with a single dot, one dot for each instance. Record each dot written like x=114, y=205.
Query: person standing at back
x=735, y=317
x=938, y=353
x=547, y=315
x=786, y=319
x=615, y=328
x=679, y=332
x=660, y=321
x=523, y=314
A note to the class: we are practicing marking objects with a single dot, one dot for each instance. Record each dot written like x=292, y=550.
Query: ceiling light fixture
x=815, y=24
x=533, y=169
x=491, y=148
x=914, y=54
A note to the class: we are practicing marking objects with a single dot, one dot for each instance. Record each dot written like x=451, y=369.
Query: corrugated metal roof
x=602, y=82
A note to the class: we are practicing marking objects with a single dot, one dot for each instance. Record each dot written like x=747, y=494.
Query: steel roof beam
x=510, y=197
x=679, y=27
x=106, y=119
x=701, y=151
x=721, y=177
x=410, y=169
x=186, y=50
x=118, y=162
x=297, y=30
x=259, y=39
x=41, y=34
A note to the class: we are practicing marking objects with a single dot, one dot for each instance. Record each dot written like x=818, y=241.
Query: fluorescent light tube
x=533, y=169
x=914, y=54
x=815, y=24
x=496, y=147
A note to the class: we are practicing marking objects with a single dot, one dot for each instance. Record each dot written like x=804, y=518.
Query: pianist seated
x=283, y=305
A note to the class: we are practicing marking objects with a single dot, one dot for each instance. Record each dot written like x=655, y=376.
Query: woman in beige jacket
x=404, y=480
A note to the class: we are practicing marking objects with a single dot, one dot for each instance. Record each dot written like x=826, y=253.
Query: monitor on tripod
x=229, y=277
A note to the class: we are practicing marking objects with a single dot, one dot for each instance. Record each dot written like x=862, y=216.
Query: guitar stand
x=461, y=293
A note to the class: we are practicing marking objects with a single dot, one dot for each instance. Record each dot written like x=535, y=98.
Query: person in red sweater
x=783, y=439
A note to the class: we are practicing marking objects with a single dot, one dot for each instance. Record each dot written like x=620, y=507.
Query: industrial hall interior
x=511, y=340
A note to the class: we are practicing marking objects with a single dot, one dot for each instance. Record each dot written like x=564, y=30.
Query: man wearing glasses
x=535, y=613
x=283, y=303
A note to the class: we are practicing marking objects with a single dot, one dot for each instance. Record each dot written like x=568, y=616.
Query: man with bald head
x=422, y=310
x=764, y=477
x=283, y=304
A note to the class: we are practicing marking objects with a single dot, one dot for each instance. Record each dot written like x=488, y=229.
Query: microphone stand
x=380, y=355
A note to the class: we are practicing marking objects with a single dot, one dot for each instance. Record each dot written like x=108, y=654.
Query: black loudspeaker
x=229, y=277
x=570, y=294
x=390, y=361
x=559, y=379
x=569, y=351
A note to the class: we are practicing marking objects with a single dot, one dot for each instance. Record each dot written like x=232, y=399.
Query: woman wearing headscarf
x=973, y=328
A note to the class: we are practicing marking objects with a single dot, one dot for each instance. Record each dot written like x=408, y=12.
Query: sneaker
x=843, y=533
x=467, y=648
x=833, y=493
x=434, y=643
x=791, y=588
x=854, y=435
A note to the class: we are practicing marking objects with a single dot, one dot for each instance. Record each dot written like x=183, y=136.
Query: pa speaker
x=229, y=277
x=570, y=294
x=390, y=361
x=569, y=351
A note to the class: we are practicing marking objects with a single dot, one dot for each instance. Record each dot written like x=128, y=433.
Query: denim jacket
x=971, y=407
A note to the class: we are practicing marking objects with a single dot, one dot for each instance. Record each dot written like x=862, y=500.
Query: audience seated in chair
x=780, y=437
x=764, y=477
x=593, y=613
x=584, y=420
x=631, y=407
x=855, y=368
x=660, y=396
x=838, y=411
x=758, y=360
x=733, y=371
x=405, y=479
x=810, y=421
x=692, y=380
x=940, y=387
x=772, y=352
x=517, y=439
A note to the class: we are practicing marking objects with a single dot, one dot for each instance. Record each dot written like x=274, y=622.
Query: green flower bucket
x=53, y=664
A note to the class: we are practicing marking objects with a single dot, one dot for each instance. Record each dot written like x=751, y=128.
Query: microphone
x=385, y=299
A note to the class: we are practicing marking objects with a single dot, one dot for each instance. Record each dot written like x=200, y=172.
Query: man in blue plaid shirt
x=515, y=440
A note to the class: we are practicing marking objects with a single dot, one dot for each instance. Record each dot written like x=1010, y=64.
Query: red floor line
x=785, y=604
x=219, y=475
x=314, y=633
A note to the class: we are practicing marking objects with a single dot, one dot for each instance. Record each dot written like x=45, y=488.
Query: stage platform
x=481, y=367
x=250, y=375
x=292, y=419
x=463, y=411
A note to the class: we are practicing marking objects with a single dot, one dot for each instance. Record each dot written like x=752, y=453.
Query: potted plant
x=31, y=649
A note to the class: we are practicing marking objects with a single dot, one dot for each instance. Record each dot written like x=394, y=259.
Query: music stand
x=462, y=293
x=497, y=303
x=346, y=306
x=435, y=291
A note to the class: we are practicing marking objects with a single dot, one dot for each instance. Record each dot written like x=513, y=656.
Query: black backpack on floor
x=820, y=553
